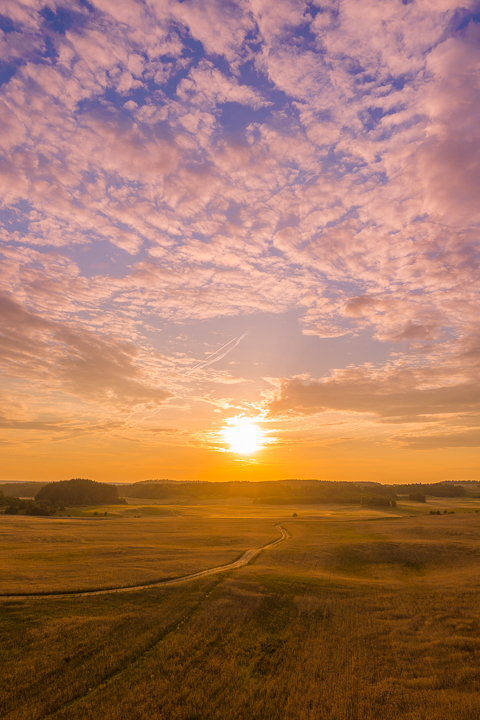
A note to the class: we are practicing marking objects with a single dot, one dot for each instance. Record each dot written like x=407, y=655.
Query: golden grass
x=48, y=555
x=55, y=651
x=246, y=508
x=353, y=619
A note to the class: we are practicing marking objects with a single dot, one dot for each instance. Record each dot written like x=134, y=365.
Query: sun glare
x=243, y=436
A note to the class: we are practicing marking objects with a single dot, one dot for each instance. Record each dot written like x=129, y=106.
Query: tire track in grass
x=174, y=626
x=246, y=558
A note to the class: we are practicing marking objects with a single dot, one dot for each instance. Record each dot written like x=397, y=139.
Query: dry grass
x=48, y=555
x=56, y=650
x=348, y=620
x=246, y=508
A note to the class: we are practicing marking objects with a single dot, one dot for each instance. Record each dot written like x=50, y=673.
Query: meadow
x=359, y=615
x=52, y=555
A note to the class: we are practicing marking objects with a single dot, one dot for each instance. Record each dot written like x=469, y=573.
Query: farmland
x=359, y=615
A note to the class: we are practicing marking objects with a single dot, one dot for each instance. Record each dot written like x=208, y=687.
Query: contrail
x=213, y=357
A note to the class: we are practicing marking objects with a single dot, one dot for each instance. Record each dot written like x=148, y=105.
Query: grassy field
x=54, y=554
x=357, y=616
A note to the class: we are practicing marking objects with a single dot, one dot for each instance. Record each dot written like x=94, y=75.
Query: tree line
x=56, y=496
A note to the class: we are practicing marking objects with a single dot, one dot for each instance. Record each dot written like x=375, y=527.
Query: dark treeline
x=285, y=492
x=318, y=493
x=442, y=489
x=80, y=491
x=268, y=492
x=21, y=489
x=56, y=495
x=14, y=506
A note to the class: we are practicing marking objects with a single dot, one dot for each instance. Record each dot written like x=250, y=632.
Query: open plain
x=360, y=614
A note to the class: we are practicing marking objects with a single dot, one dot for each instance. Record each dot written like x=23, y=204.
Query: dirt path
x=247, y=557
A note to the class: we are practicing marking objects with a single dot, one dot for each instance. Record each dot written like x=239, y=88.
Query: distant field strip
x=247, y=557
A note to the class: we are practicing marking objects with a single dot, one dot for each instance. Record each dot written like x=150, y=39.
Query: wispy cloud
x=218, y=354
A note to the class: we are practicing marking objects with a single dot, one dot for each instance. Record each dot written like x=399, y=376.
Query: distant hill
x=79, y=491
x=268, y=492
x=441, y=489
x=280, y=492
x=21, y=489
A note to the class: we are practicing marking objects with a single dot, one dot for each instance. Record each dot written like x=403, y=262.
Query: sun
x=243, y=435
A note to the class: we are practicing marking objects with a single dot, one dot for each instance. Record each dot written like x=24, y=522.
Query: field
x=359, y=615
x=44, y=554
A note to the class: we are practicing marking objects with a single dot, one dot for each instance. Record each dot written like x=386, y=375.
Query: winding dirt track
x=247, y=557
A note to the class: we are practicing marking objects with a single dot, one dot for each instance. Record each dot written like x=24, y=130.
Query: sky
x=240, y=240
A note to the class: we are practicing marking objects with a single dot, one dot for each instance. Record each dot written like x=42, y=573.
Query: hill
x=21, y=489
x=79, y=491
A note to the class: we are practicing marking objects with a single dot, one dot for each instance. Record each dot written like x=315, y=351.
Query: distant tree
x=9, y=500
x=39, y=509
x=294, y=515
x=78, y=491
x=418, y=497
x=393, y=503
x=376, y=501
x=11, y=510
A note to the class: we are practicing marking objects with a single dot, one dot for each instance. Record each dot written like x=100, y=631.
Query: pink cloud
x=207, y=85
x=220, y=26
x=102, y=370
x=438, y=441
x=394, y=394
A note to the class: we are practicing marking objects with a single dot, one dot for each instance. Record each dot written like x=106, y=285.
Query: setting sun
x=243, y=436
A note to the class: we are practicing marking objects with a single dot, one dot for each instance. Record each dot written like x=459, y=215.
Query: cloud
x=394, y=394
x=220, y=26
x=449, y=161
x=359, y=306
x=218, y=354
x=207, y=86
x=162, y=430
x=74, y=360
x=437, y=441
